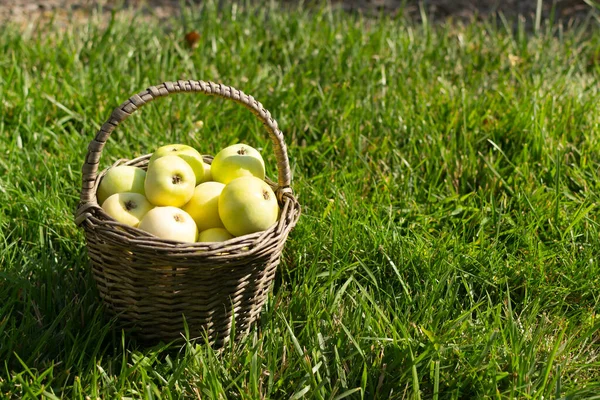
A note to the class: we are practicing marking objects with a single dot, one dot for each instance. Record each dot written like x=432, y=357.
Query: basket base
x=165, y=307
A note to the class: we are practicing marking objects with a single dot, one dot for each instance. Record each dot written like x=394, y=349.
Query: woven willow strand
x=122, y=112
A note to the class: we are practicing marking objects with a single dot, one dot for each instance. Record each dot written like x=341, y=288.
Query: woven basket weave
x=152, y=284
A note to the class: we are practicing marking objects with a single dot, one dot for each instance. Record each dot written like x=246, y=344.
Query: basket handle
x=122, y=112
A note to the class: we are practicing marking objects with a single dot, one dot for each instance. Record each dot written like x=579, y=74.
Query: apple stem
x=176, y=179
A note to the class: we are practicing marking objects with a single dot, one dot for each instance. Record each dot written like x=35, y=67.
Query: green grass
x=449, y=242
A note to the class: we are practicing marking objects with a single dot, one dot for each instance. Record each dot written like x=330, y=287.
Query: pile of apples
x=182, y=198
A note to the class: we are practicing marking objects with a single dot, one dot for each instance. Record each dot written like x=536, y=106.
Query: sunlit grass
x=448, y=174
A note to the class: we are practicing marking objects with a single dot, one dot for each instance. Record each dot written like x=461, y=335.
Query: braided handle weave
x=122, y=112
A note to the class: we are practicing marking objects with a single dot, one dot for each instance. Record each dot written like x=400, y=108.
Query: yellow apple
x=237, y=161
x=127, y=208
x=121, y=179
x=204, y=205
x=170, y=223
x=247, y=205
x=187, y=153
x=215, y=235
x=170, y=181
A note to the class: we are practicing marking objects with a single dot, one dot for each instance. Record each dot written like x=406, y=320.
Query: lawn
x=448, y=176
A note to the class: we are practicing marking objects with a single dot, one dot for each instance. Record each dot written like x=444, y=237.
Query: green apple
x=170, y=223
x=204, y=205
x=187, y=153
x=170, y=181
x=237, y=161
x=247, y=205
x=215, y=235
x=121, y=179
x=127, y=208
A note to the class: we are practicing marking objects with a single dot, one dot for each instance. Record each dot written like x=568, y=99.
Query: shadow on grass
x=51, y=317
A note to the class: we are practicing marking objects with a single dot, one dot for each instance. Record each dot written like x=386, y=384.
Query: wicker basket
x=152, y=284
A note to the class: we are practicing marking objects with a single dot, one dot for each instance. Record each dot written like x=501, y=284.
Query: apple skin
x=121, y=179
x=247, y=205
x=170, y=223
x=127, y=208
x=215, y=235
x=236, y=161
x=187, y=153
x=204, y=206
x=170, y=181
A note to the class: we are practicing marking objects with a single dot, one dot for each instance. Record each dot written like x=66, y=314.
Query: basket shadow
x=51, y=316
